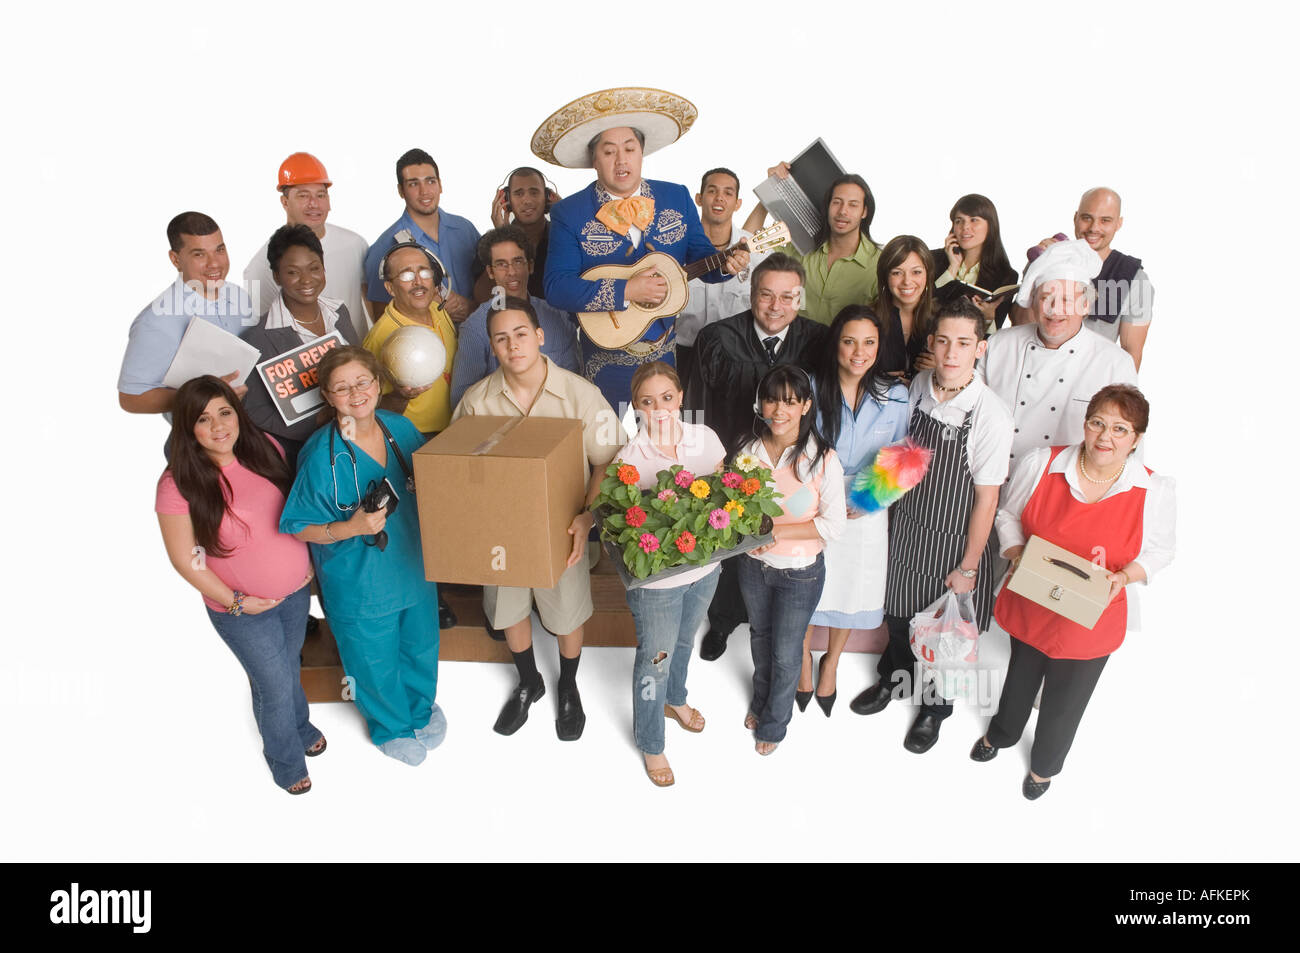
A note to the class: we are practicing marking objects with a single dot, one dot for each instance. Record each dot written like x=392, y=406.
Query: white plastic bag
x=945, y=640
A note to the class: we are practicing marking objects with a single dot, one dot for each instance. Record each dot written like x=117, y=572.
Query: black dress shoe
x=1033, y=790
x=713, y=645
x=874, y=699
x=825, y=702
x=570, y=719
x=802, y=698
x=515, y=711
x=923, y=733
x=446, y=618
x=498, y=635
x=982, y=752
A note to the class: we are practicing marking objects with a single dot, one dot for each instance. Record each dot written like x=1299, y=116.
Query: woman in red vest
x=1094, y=500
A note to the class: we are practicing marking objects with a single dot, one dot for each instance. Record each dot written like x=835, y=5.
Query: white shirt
x=828, y=476
x=763, y=335
x=713, y=301
x=1048, y=390
x=345, y=258
x=1158, y=514
x=988, y=447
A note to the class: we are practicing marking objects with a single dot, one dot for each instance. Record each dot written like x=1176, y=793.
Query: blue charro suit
x=579, y=241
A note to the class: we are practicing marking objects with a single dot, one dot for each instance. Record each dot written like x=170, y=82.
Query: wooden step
x=610, y=625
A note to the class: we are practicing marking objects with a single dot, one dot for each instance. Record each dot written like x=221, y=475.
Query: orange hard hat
x=302, y=168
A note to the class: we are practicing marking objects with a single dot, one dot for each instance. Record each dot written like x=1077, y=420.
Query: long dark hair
x=869, y=200
x=993, y=257
x=892, y=256
x=780, y=381
x=199, y=480
x=875, y=383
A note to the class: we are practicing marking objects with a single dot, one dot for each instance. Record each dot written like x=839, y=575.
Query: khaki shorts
x=561, y=609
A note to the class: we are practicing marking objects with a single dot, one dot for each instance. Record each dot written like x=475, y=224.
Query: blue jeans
x=268, y=645
x=666, y=621
x=780, y=604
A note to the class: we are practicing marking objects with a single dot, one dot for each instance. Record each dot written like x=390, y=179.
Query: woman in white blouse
x=1096, y=500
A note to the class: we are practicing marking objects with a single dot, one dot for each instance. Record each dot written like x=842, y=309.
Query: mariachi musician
x=618, y=220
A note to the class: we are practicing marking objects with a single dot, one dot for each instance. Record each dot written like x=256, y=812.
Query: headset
x=547, y=187
x=404, y=239
x=758, y=411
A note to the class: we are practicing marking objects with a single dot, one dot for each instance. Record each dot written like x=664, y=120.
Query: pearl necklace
x=1084, y=470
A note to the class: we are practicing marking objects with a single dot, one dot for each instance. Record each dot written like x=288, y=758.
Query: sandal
x=302, y=787
x=765, y=748
x=318, y=748
x=696, y=723
x=660, y=777
x=751, y=722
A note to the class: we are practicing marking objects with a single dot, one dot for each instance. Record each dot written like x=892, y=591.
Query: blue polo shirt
x=455, y=248
x=156, y=332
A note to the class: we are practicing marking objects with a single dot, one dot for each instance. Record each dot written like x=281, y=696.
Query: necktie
x=770, y=344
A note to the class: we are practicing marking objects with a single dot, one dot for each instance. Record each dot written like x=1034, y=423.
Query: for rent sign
x=290, y=378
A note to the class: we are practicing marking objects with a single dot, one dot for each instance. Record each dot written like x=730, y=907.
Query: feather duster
x=897, y=468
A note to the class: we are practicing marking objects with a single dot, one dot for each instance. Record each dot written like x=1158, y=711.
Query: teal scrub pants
x=394, y=662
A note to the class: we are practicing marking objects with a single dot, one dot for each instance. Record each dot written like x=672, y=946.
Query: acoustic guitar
x=618, y=329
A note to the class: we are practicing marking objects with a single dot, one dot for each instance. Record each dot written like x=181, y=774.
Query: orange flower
x=628, y=474
x=751, y=486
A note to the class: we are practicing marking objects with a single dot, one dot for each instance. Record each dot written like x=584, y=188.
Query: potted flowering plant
x=686, y=519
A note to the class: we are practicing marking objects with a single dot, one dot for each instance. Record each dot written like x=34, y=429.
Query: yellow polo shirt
x=431, y=411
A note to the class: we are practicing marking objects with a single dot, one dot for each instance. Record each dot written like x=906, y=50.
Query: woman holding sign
x=218, y=505
x=1100, y=503
x=353, y=501
x=277, y=398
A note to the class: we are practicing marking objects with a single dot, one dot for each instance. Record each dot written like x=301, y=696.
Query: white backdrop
x=126, y=729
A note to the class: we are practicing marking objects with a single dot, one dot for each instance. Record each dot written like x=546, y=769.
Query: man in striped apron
x=940, y=531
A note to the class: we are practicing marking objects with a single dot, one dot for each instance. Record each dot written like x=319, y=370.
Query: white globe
x=414, y=356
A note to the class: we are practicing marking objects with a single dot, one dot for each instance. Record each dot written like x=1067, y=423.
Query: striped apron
x=927, y=527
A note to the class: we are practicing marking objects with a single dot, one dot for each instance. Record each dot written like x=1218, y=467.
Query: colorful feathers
x=897, y=468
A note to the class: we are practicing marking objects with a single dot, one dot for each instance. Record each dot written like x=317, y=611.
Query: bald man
x=1121, y=310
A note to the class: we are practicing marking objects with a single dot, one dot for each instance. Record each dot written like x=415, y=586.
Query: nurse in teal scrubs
x=383, y=612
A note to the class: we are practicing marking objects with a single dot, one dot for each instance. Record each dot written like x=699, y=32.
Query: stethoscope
x=352, y=457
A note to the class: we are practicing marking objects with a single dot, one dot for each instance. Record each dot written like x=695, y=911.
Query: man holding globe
x=414, y=276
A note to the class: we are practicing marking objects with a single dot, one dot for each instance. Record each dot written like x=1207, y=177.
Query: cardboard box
x=1061, y=581
x=496, y=496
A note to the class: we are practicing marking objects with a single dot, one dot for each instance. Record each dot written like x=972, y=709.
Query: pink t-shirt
x=263, y=561
x=699, y=451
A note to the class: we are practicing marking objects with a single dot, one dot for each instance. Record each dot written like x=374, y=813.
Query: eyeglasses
x=767, y=297
x=343, y=390
x=409, y=275
x=514, y=264
x=1118, y=431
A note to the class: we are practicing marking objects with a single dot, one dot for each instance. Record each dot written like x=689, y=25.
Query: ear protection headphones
x=758, y=411
x=404, y=239
x=547, y=187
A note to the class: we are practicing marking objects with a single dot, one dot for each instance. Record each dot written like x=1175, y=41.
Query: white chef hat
x=1072, y=261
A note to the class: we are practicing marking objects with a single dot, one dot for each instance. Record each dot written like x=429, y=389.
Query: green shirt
x=848, y=281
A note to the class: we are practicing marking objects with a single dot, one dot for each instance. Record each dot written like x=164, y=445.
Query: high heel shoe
x=802, y=698
x=825, y=702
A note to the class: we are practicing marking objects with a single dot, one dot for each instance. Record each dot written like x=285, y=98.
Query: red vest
x=1109, y=532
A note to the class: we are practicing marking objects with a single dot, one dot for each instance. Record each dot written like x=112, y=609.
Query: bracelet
x=328, y=533
x=237, y=607
x=968, y=573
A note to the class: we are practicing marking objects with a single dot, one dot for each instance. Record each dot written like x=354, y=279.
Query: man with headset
x=524, y=200
x=731, y=357
x=448, y=236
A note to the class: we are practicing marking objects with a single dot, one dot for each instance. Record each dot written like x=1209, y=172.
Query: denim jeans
x=268, y=645
x=780, y=604
x=666, y=620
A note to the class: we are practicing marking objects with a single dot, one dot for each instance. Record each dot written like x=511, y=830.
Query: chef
x=1047, y=371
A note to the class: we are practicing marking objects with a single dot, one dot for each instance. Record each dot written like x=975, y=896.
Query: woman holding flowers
x=667, y=612
x=782, y=581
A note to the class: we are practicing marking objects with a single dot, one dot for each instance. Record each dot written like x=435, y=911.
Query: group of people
x=806, y=365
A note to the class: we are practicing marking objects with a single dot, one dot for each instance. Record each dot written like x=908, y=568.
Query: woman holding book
x=1098, y=501
x=668, y=612
x=782, y=581
x=218, y=505
x=860, y=409
x=973, y=260
x=905, y=272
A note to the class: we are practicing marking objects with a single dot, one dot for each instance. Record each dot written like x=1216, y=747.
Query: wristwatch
x=968, y=573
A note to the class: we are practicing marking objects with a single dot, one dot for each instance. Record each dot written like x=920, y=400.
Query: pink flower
x=684, y=478
x=719, y=519
x=648, y=543
x=635, y=517
x=668, y=496
x=731, y=480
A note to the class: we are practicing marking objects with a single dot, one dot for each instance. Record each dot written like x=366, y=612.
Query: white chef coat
x=1047, y=390
x=713, y=301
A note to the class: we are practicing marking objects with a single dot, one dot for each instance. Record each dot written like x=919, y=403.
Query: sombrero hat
x=662, y=117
